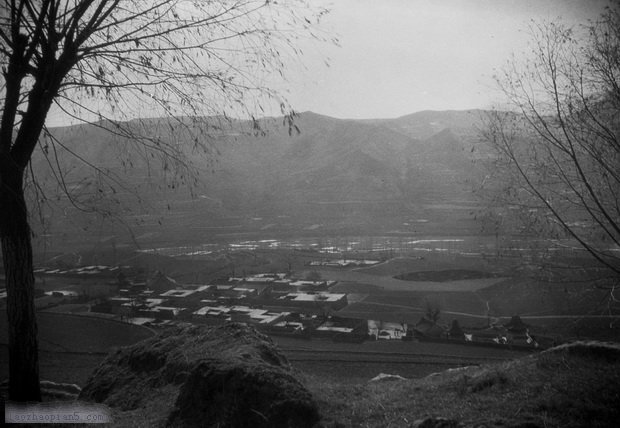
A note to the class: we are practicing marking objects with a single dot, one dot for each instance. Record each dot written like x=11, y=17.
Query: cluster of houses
x=273, y=302
x=277, y=304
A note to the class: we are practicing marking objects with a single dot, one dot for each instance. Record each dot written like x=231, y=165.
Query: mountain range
x=339, y=172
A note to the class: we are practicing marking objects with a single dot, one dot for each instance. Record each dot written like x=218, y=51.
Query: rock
x=242, y=395
x=225, y=376
x=383, y=377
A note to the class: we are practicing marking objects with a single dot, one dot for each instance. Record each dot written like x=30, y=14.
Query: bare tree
x=110, y=60
x=559, y=145
x=432, y=309
x=314, y=276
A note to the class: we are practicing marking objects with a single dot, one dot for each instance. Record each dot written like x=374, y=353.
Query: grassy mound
x=572, y=385
x=226, y=376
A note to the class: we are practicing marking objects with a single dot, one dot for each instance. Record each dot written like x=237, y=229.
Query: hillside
x=334, y=172
x=180, y=383
x=575, y=385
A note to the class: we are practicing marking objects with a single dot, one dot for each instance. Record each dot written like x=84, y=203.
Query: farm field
x=394, y=347
x=452, y=301
x=456, y=299
x=409, y=316
x=358, y=363
x=436, y=262
x=64, y=367
x=71, y=346
x=536, y=297
x=389, y=283
x=73, y=333
x=566, y=307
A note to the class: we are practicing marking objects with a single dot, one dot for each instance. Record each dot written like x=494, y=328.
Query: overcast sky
x=402, y=56
x=398, y=57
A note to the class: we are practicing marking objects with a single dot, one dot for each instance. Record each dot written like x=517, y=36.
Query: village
x=277, y=304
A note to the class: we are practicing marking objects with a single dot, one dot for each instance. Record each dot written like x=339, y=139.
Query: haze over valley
x=411, y=193
x=413, y=175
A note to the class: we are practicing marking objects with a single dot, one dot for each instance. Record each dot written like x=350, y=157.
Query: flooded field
x=388, y=245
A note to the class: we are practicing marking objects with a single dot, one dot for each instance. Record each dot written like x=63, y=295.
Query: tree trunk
x=18, y=268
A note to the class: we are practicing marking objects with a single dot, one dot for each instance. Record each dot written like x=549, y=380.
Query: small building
x=321, y=299
x=310, y=285
x=254, y=316
x=177, y=293
x=239, y=313
x=162, y=283
x=211, y=311
x=61, y=293
x=258, y=280
x=289, y=326
x=386, y=330
x=244, y=292
x=253, y=289
x=160, y=312
x=343, y=329
x=142, y=302
x=429, y=329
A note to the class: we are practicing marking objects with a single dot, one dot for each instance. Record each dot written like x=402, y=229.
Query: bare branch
x=562, y=148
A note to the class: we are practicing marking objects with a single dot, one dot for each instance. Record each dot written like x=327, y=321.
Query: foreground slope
x=575, y=385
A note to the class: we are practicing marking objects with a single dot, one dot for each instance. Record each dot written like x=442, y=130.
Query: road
x=523, y=317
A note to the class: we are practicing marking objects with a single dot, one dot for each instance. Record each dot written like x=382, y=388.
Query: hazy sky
x=398, y=57
x=402, y=56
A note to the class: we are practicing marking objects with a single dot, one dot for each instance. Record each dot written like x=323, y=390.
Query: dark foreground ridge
x=226, y=376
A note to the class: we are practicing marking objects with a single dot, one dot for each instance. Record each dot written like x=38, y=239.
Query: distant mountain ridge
x=425, y=157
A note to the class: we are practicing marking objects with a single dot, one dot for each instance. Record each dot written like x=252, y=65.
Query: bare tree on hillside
x=559, y=148
x=104, y=61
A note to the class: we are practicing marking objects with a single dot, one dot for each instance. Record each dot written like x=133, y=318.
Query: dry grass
x=569, y=386
x=572, y=387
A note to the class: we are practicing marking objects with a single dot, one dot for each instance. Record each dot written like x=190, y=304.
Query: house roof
x=314, y=297
x=177, y=293
x=161, y=282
